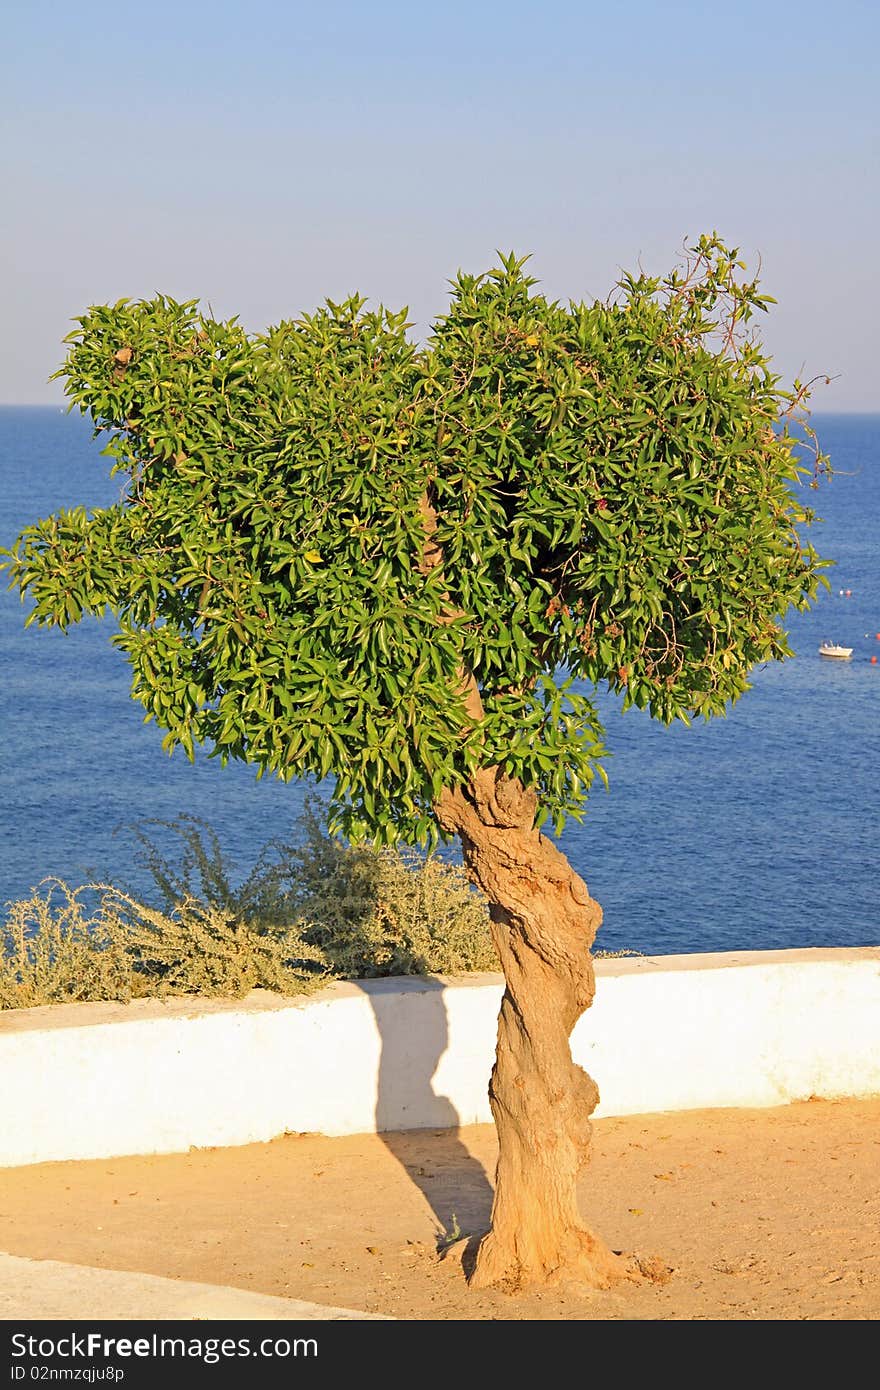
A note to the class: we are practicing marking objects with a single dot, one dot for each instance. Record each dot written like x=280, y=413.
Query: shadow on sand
x=412, y=1022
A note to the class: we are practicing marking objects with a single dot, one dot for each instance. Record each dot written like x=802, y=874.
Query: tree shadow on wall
x=412, y=1022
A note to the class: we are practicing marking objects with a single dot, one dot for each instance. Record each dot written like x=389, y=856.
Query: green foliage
x=615, y=502
x=306, y=914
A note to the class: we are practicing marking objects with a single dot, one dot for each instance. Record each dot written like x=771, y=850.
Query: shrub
x=54, y=950
x=386, y=911
x=307, y=912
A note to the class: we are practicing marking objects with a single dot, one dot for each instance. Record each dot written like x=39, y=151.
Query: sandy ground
x=762, y=1214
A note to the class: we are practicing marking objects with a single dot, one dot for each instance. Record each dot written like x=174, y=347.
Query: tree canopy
x=326, y=532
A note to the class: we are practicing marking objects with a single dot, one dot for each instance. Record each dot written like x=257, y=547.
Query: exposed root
x=580, y=1259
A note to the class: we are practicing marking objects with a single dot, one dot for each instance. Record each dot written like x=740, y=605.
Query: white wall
x=665, y=1033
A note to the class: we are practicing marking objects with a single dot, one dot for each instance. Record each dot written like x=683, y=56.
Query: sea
x=754, y=832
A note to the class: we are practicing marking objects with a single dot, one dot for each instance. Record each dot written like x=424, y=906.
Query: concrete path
x=48, y=1289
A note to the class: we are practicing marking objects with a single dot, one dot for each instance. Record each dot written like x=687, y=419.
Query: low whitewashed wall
x=665, y=1033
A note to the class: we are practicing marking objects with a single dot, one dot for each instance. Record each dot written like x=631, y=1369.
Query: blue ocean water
x=757, y=831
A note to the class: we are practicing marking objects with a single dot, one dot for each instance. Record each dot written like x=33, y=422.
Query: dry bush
x=201, y=948
x=55, y=949
x=386, y=911
x=308, y=912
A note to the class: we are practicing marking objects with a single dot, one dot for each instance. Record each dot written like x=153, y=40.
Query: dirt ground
x=762, y=1214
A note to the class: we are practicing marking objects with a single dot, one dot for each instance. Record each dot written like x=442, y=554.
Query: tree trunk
x=543, y=924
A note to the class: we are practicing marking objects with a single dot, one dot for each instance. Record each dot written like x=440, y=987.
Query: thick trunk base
x=543, y=924
x=580, y=1258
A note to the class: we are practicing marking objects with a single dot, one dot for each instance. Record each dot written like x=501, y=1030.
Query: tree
x=339, y=553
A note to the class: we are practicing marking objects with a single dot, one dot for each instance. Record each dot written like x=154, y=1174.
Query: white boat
x=833, y=650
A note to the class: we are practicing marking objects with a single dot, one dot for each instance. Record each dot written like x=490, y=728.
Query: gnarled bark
x=543, y=923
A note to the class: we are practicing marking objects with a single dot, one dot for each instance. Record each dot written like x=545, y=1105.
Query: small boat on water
x=836, y=652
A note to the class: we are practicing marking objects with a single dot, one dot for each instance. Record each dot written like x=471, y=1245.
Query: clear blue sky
x=264, y=155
